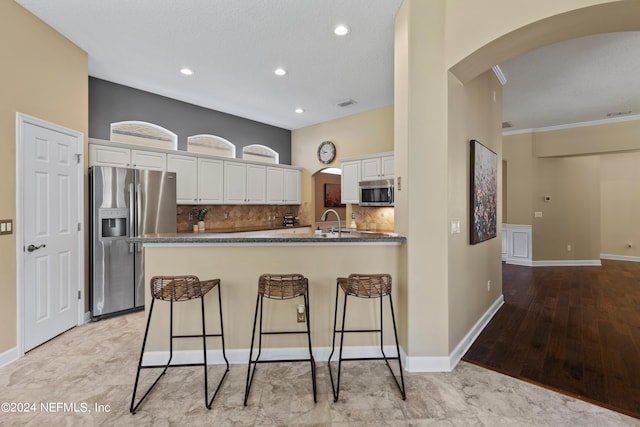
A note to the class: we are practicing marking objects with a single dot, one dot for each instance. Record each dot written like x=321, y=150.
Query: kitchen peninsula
x=238, y=261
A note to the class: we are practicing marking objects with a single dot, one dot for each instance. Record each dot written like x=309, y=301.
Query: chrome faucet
x=323, y=218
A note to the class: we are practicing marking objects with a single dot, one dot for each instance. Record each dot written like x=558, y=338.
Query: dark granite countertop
x=247, y=228
x=364, y=237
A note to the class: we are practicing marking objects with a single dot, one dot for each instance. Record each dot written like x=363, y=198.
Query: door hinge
x=79, y=294
x=78, y=157
x=79, y=226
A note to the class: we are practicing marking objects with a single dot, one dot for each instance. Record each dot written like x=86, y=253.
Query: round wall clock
x=326, y=152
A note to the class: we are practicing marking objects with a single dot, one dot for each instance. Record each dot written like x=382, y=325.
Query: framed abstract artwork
x=484, y=193
x=332, y=196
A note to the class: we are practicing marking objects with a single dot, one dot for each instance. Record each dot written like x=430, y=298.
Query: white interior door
x=52, y=251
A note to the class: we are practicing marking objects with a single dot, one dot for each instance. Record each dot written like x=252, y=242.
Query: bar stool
x=280, y=287
x=364, y=286
x=175, y=289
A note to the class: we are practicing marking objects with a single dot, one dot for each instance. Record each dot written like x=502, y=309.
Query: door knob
x=32, y=248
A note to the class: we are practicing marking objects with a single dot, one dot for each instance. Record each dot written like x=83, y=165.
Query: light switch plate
x=538, y=214
x=6, y=226
x=455, y=226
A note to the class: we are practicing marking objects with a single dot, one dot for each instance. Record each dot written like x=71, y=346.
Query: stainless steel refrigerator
x=124, y=203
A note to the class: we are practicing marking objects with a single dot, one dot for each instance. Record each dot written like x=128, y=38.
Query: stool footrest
x=176, y=365
x=368, y=358
x=196, y=336
x=282, y=360
x=356, y=330
x=283, y=332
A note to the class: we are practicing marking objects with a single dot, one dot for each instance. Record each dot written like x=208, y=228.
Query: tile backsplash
x=227, y=216
x=373, y=219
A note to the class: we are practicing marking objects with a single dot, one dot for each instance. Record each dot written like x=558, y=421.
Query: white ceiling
x=574, y=81
x=234, y=46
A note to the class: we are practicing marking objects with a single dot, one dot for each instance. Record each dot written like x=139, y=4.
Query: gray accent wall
x=111, y=102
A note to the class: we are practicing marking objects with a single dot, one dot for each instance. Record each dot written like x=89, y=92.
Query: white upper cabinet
x=101, y=155
x=283, y=186
x=198, y=180
x=256, y=184
x=377, y=168
x=141, y=159
x=365, y=168
x=291, y=186
x=244, y=183
x=210, y=179
x=351, y=176
x=186, y=169
x=205, y=179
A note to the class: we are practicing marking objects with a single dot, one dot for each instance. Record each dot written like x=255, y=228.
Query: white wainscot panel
x=516, y=244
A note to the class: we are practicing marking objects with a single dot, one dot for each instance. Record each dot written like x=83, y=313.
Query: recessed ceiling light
x=341, y=30
x=186, y=71
x=299, y=110
x=280, y=72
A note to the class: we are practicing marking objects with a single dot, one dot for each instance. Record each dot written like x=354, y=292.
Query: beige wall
x=45, y=76
x=594, y=198
x=572, y=216
x=603, y=138
x=517, y=151
x=620, y=204
x=475, y=111
x=466, y=38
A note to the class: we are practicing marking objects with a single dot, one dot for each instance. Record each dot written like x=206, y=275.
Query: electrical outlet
x=488, y=285
x=568, y=248
x=300, y=313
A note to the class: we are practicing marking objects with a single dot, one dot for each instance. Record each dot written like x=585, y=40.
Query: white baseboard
x=568, y=263
x=9, y=356
x=447, y=363
x=214, y=357
x=620, y=257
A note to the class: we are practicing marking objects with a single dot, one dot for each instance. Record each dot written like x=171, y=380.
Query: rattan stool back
x=282, y=286
x=180, y=288
x=366, y=285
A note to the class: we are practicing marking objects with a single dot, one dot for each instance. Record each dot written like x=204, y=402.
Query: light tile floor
x=95, y=364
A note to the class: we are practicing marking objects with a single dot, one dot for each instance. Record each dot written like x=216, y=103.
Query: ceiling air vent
x=346, y=103
x=506, y=125
x=619, y=113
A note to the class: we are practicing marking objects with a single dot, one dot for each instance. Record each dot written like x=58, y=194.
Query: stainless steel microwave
x=376, y=193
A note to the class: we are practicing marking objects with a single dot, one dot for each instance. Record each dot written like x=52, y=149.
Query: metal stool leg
x=224, y=354
x=250, y=372
x=333, y=343
x=134, y=406
x=395, y=332
x=336, y=391
x=204, y=354
x=311, y=359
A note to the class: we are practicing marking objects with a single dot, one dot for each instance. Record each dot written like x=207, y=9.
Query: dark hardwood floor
x=572, y=329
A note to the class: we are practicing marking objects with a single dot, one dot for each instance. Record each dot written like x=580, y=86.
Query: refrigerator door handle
x=131, y=216
x=139, y=214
